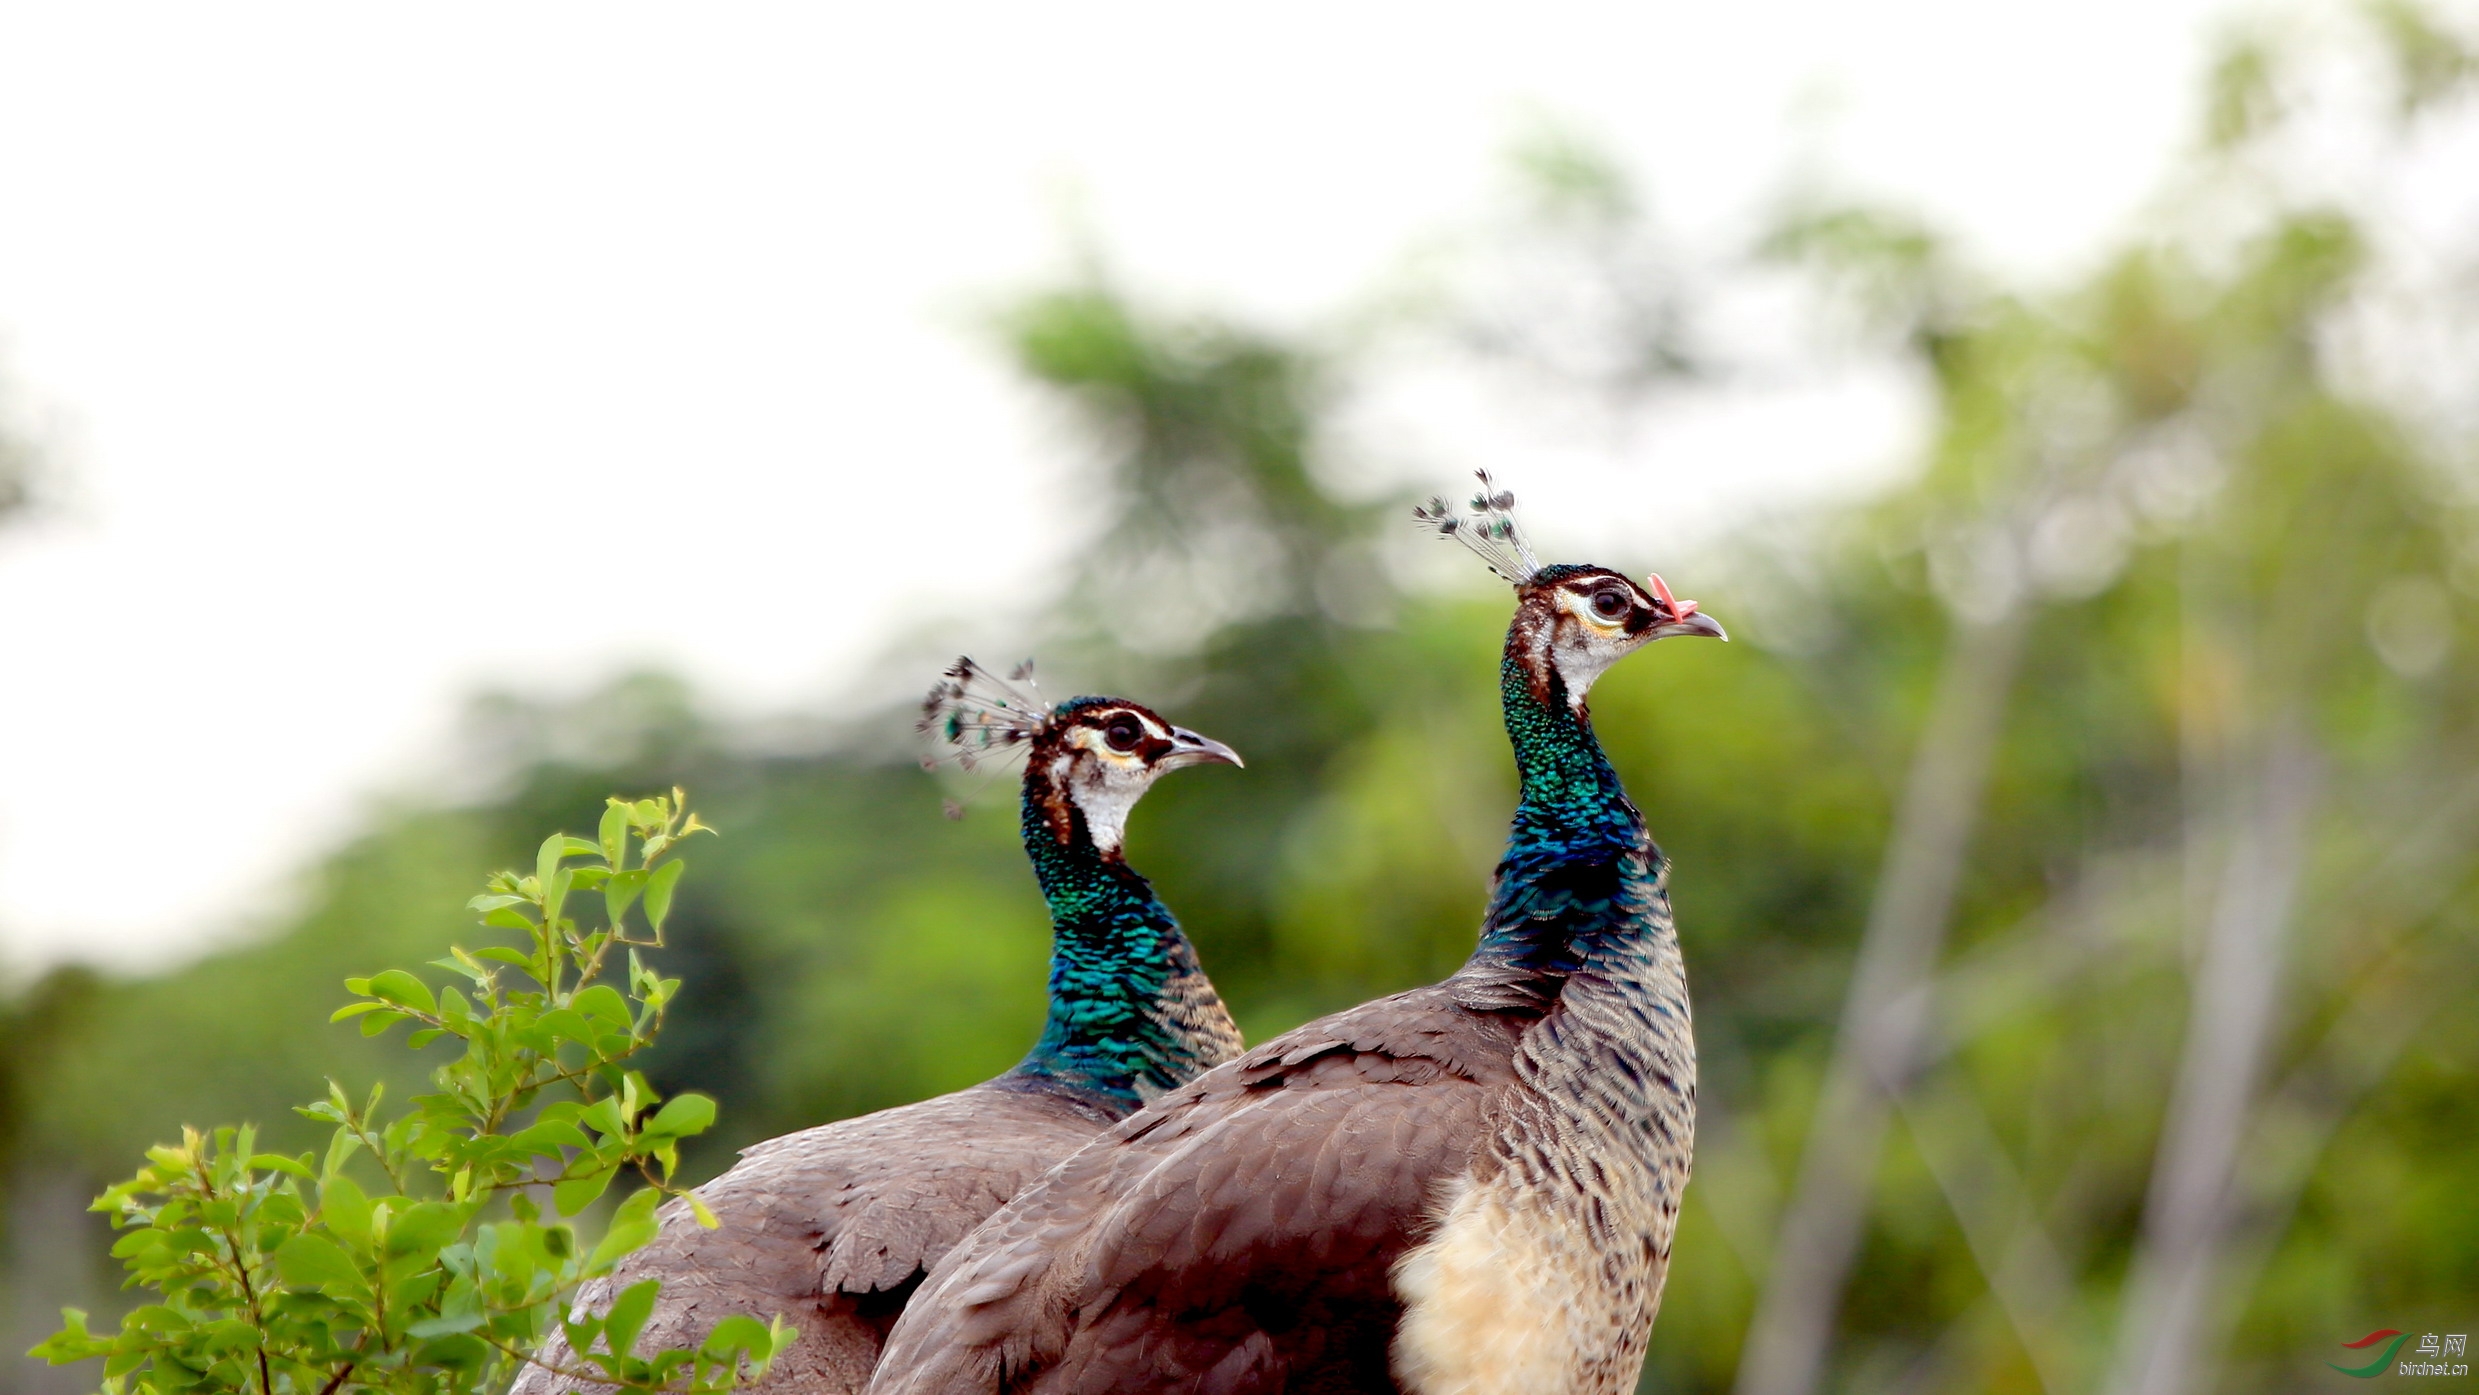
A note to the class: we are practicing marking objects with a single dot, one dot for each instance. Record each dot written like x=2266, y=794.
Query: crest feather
x=1489, y=529
x=978, y=715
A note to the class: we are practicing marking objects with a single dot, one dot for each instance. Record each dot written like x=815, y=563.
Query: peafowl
x=1469, y=1187
x=834, y=1226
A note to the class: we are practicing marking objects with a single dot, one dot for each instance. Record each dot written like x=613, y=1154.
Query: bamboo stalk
x=1885, y=1014
x=2188, y=1214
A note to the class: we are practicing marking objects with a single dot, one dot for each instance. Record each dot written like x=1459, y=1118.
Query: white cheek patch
x=1582, y=654
x=1581, y=666
x=1106, y=803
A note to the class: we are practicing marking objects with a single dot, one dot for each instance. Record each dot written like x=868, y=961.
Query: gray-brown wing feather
x=829, y=1226
x=1236, y=1235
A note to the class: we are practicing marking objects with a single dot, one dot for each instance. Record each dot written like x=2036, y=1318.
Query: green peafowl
x=1465, y=1188
x=834, y=1226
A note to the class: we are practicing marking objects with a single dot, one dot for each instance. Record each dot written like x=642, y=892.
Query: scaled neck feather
x=1579, y=872
x=1131, y=1011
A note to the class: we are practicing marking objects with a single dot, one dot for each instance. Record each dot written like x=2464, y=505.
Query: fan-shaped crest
x=1489, y=529
x=978, y=714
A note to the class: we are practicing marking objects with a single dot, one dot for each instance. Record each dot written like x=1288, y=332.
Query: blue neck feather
x=1119, y=971
x=1577, y=889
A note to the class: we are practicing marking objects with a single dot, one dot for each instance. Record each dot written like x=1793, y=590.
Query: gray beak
x=1188, y=748
x=1698, y=623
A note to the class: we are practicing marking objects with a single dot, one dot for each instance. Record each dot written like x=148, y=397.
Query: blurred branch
x=2394, y=1002
x=2188, y=1215
x=1885, y=1018
x=2299, y=1118
x=18, y=463
x=2025, y=1273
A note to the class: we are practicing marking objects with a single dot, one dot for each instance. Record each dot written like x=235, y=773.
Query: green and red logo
x=2383, y=1360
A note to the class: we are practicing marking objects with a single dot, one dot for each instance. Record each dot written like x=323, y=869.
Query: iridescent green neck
x=1131, y=1012
x=1567, y=889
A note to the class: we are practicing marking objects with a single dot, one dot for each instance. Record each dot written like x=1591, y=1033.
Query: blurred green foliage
x=413, y=1254
x=2235, y=565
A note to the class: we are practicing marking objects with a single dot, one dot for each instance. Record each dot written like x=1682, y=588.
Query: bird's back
x=1238, y=1235
x=832, y=1228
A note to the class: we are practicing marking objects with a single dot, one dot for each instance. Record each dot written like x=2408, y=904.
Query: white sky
x=334, y=311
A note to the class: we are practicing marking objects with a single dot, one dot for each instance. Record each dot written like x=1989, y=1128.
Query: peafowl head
x=1087, y=760
x=1572, y=620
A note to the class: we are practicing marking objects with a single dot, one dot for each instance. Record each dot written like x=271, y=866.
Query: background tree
x=2074, y=854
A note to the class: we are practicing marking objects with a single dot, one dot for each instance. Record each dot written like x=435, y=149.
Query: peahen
x=834, y=1226
x=1469, y=1187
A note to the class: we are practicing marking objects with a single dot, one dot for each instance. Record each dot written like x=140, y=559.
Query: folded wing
x=1243, y=1227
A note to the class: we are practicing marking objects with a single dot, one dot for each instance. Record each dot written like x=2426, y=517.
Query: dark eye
x=1122, y=733
x=1610, y=603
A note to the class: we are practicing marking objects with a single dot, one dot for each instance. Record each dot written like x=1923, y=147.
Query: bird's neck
x=1131, y=1011
x=1578, y=888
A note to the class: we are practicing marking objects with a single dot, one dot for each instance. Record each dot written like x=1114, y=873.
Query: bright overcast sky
x=368, y=335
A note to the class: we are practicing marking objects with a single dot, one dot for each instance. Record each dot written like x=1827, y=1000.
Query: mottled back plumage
x=833, y=1227
x=1466, y=1188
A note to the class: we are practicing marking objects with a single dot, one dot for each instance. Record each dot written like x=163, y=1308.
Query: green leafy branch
x=285, y=1275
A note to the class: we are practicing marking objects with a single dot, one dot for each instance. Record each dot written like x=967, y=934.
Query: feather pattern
x=978, y=714
x=833, y=1227
x=1490, y=530
x=1466, y=1188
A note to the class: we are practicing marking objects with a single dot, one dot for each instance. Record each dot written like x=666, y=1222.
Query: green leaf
x=547, y=858
x=232, y=1334
x=603, y=1116
x=553, y=882
x=631, y=1227
x=447, y=1324
x=316, y=1262
x=423, y=1228
x=614, y=835
x=138, y=1242
x=627, y=1315
x=684, y=1116
x=380, y=1021
x=353, y=1010
x=346, y=1208
x=705, y=1214
x=737, y=1334
x=577, y=1193
x=340, y=1147
x=658, y=892
x=277, y=1162
x=603, y=1002
x=546, y=1137
x=457, y=1351
x=403, y=989
x=621, y=892
x=72, y=1342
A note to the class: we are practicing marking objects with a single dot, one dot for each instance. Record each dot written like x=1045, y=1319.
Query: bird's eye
x=1610, y=603
x=1122, y=733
